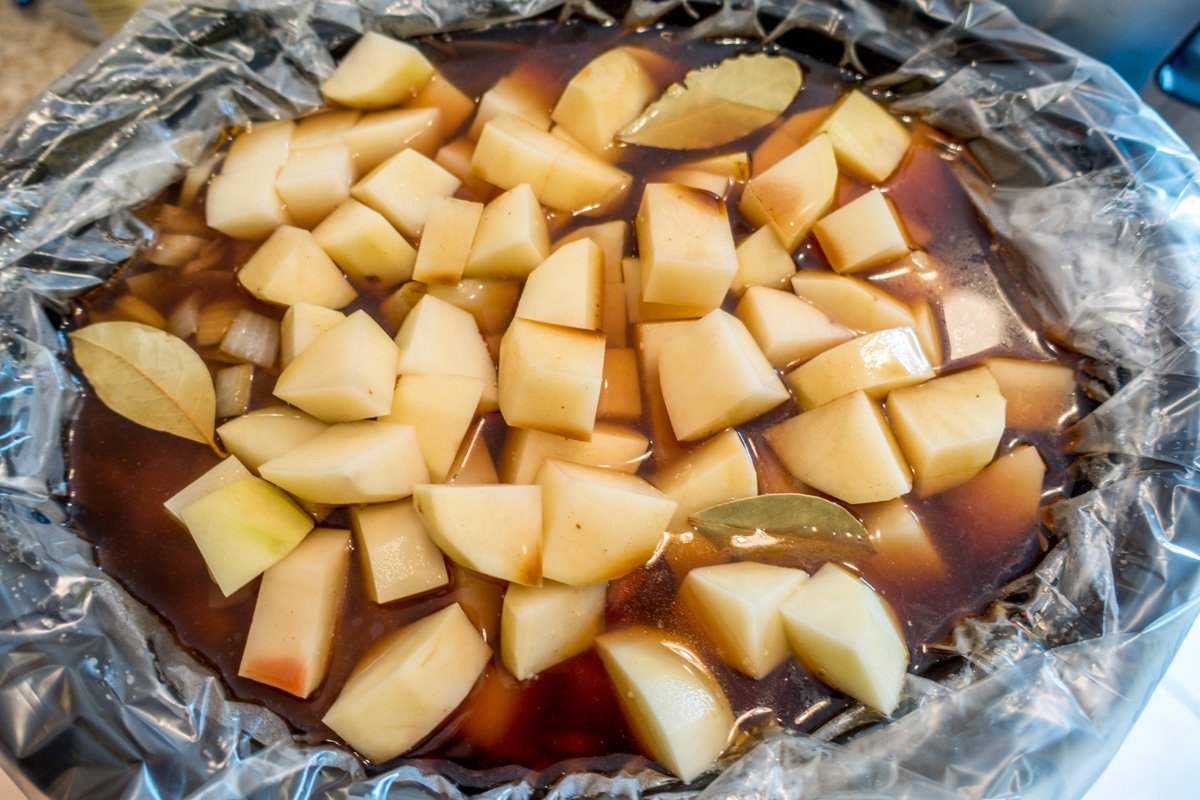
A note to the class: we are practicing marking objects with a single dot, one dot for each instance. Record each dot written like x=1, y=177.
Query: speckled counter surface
x=36, y=46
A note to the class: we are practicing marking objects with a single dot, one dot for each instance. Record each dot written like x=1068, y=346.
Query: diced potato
x=929, y=333
x=315, y=181
x=398, y=558
x=762, y=261
x=416, y=678
x=900, y=538
x=325, y=128
x=845, y=449
x=301, y=324
x=242, y=528
x=265, y=145
x=609, y=237
x=382, y=134
x=565, y=289
x=1040, y=394
x=787, y=329
x=364, y=244
x=266, y=433
x=453, y=106
x=614, y=320
x=474, y=465
x=868, y=141
x=438, y=338
x=440, y=408
x=446, y=242
x=793, y=194
x=620, y=393
x=496, y=530
x=638, y=310
x=455, y=158
x=734, y=165
x=790, y=135
x=512, y=151
x=351, y=462
x=613, y=446
x=378, y=71
x=1001, y=503
x=290, y=267
x=848, y=637
x=244, y=204
x=510, y=96
x=717, y=471
x=550, y=377
x=853, y=302
x=949, y=427
x=512, y=237
x=649, y=338
x=492, y=301
x=604, y=97
x=738, y=606
x=675, y=708
x=713, y=376
x=291, y=632
x=716, y=185
x=876, y=363
x=347, y=373
x=403, y=189
x=686, y=247
x=580, y=182
x=228, y=471
x=543, y=626
x=598, y=524
x=861, y=235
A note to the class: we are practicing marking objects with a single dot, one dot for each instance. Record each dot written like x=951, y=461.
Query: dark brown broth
x=122, y=473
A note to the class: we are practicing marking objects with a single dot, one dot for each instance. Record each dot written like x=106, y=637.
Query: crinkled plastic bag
x=1094, y=196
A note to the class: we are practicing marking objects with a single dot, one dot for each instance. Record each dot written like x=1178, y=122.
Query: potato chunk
x=686, y=246
x=511, y=238
x=244, y=204
x=365, y=245
x=718, y=470
x=543, y=626
x=603, y=97
x=868, y=141
x=1040, y=394
x=900, y=538
x=794, y=193
x=404, y=188
x=496, y=530
x=398, y=558
x=550, y=377
x=446, y=241
x=290, y=267
x=762, y=261
x=875, y=363
x=853, y=302
x=229, y=470
x=565, y=288
x=438, y=338
x=380, y=135
x=440, y=408
x=861, y=235
x=615, y=447
x=788, y=329
x=378, y=71
x=302, y=323
x=265, y=433
x=314, y=181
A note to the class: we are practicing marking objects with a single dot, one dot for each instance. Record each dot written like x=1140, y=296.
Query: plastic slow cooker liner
x=1095, y=197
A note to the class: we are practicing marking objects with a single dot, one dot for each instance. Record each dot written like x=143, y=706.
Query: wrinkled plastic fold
x=1093, y=197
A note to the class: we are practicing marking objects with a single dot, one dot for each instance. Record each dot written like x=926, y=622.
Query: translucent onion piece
x=135, y=309
x=214, y=320
x=175, y=249
x=252, y=338
x=207, y=258
x=233, y=390
x=185, y=318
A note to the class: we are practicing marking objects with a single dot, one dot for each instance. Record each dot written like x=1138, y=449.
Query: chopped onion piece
x=145, y=285
x=233, y=390
x=207, y=258
x=173, y=219
x=195, y=179
x=136, y=309
x=214, y=320
x=175, y=249
x=186, y=317
x=252, y=338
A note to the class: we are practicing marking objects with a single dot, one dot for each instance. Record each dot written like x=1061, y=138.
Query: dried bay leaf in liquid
x=718, y=104
x=149, y=377
x=801, y=529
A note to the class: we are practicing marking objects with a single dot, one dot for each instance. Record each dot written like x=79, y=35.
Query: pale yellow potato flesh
x=398, y=558
x=440, y=95
x=868, y=141
x=327, y=127
x=609, y=237
x=438, y=338
x=511, y=237
x=875, y=363
x=550, y=377
x=229, y=470
x=377, y=72
x=440, y=408
x=617, y=447
x=245, y=204
x=861, y=235
x=496, y=530
x=265, y=433
x=685, y=245
x=603, y=97
x=446, y=240
x=639, y=310
x=718, y=470
x=762, y=261
x=314, y=181
x=492, y=301
x=794, y=193
x=1040, y=394
x=364, y=244
x=290, y=267
x=900, y=538
x=403, y=189
x=787, y=329
x=565, y=289
x=853, y=302
x=546, y=625
x=265, y=145
x=302, y=323
x=379, y=135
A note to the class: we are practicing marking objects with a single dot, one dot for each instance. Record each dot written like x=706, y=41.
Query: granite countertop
x=36, y=46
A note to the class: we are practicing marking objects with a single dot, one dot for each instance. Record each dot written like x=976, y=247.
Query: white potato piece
x=290, y=267
x=496, y=530
x=365, y=245
x=440, y=408
x=511, y=95
x=550, y=377
x=492, y=301
x=900, y=538
x=615, y=447
x=228, y=471
x=582, y=183
x=609, y=237
x=324, y=128
x=717, y=471
x=245, y=204
x=406, y=685
x=638, y=310
x=511, y=237
x=565, y=289
x=929, y=332
x=403, y=189
x=787, y=329
x=762, y=261
x=794, y=193
x=378, y=71
x=738, y=606
x=446, y=241
x=621, y=392
x=512, y=151
x=875, y=363
x=351, y=462
x=685, y=245
x=847, y=636
x=382, y=134
x=868, y=141
x=603, y=97
x=675, y=708
x=398, y=558
x=853, y=302
x=314, y=181
x=546, y=625
x=1040, y=394
x=863, y=234
x=302, y=323
x=438, y=338
x=265, y=433
x=440, y=95
x=264, y=145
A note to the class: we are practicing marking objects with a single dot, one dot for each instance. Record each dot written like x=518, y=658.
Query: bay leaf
x=149, y=377
x=718, y=104
x=793, y=526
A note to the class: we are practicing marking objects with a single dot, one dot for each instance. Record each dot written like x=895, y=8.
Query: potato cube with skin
x=875, y=363
x=295, y=614
x=512, y=237
x=446, y=242
x=382, y=134
x=788, y=329
x=265, y=433
x=861, y=235
x=762, y=261
x=949, y=427
x=351, y=462
x=713, y=375
x=245, y=204
x=365, y=245
x=546, y=625
x=868, y=141
x=853, y=302
x=603, y=97
x=738, y=607
x=230, y=469
x=242, y=528
x=302, y=323
x=404, y=188
x=565, y=289
x=378, y=71
x=686, y=246
x=1040, y=394
x=845, y=449
x=398, y=558
x=621, y=392
x=847, y=636
x=717, y=471
x=438, y=338
x=262, y=146
x=615, y=447
x=609, y=237
x=408, y=684
x=315, y=181
x=675, y=708
x=496, y=530
x=290, y=267
x=900, y=539
x=440, y=408
x=325, y=128
x=347, y=373
x=511, y=151
x=453, y=107
x=550, y=377
x=597, y=524
x=794, y=193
